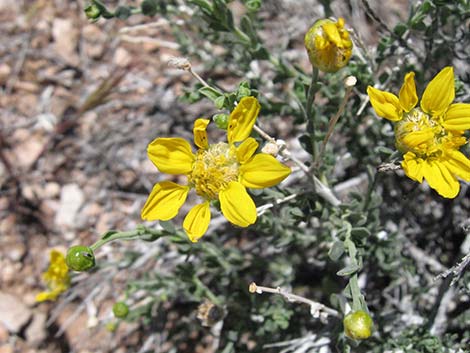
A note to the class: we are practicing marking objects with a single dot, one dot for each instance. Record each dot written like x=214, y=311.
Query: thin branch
x=262, y=209
x=349, y=83
x=456, y=270
x=315, y=307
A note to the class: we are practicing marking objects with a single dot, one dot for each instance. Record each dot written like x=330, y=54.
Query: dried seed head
x=180, y=63
x=209, y=314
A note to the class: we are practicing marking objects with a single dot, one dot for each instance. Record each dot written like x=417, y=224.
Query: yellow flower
x=429, y=135
x=328, y=45
x=56, y=277
x=220, y=171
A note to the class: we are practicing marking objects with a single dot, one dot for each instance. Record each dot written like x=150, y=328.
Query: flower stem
x=349, y=83
x=312, y=90
x=140, y=232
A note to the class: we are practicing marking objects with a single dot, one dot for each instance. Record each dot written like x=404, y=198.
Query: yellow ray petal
x=439, y=93
x=385, y=104
x=407, y=96
x=458, y=164
x=332, y=33
x=246, y=150
x=263, y=171
x=440, y=179
x=200, y=134
x=416, y=138
x=164, y=201
x=457, y=117
x=171, y=155
x=197, y=221
x=413, y=167
x=237, y=206
x=45, y=296
x=242, y=119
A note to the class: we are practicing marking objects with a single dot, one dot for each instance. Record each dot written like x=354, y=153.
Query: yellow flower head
x=328, y=45
x=220, y=171
x=429, y=135
x=56, y=277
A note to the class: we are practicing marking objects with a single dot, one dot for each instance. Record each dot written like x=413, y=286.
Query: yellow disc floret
x=424, y=135
x=419, y=133
x=213, y=169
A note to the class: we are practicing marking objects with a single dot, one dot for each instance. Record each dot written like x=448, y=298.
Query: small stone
x=28, y=150
x=30, y=87
x=71, y=199
x=26, y=103
x=10, y=5
x=36, y=331
x=51, y=190
x=6, y=349
x=65, y=34
x=3, y=334
x=94, y=44
x=16, y=251
x=122, y=57
x=9, y=271
x=49, y=207
x=5, y=72
x=15, y=314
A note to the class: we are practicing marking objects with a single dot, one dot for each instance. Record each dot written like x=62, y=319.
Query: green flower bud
x=358, y=325
x=111, y=326
x=92, y=12
x=80, y=258
x=149, y=7
x=253, y=5
x=120, y=310
x=221, y=120
x=122, y=13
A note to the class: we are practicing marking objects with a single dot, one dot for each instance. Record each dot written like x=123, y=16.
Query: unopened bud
x=120, y=310
x=328, y=45
x=221, y=120
x=80, y=258
x=253, y=5
x=122, y=12
x=92, y=12
x=111, y=326
x=358, y=325
x=149, y=7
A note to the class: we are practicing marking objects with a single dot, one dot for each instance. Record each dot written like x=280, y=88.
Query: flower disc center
x=213, y=169
x=419, y=133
